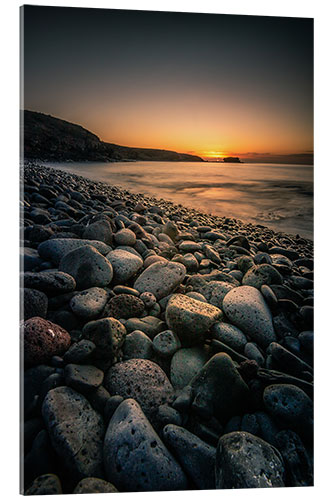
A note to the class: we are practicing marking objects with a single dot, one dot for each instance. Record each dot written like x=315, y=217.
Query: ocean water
x=275, y=195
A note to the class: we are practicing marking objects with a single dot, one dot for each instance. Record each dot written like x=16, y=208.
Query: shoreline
x=138, y=315
x=216, y=220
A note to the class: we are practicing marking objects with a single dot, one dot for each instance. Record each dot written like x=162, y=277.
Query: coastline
x=155, y=311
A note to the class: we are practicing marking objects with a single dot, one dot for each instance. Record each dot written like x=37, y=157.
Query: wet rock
x=42, y=340
x=135, y=458
x=245, y=308
x=190, y=318
x=161, y=278
x=88, y=267
x=195, y=456
x=142, y=380
x=246, y=461
x=76, y=432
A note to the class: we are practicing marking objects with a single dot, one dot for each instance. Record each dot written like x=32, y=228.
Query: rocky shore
x=164, y=348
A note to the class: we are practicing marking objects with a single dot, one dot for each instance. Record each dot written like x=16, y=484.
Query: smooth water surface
x=274, y=195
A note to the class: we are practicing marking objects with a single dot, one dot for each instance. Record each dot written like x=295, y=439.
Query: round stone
x=230, y=335
x=125, y=237
x=94, y=485
x=125, y=265
x=137, y=345
x=166, y=343
x=107, y=334
x=190, y=318
x=161, y=278
x=142, y=380
x=89, y=303
x=50, y=282
x=88, y=267
x=83, y=378
x=124, y=306
x=42, y=340
x=245, y=308
x=186, y=363
x=263, y=274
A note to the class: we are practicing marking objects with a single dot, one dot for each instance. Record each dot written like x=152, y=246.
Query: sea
x=278, y=196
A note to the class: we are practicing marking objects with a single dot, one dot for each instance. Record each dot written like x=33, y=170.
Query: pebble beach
x=163, y=348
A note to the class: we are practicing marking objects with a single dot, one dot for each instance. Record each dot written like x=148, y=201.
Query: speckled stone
x=161, y=278
x=42, y=340
x=55, y=249
x=89, y=303
x=190, y=318
x=245, y=308
x=125, y=265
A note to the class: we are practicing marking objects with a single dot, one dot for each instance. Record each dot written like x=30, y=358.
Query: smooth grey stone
x=196, y=296
x=246, y=461
x=245, y=308
x=230, y=335
x=161, y=278
x=186, y=363
x=89, y=303
x=168, y=415
x=122, y=289
x=76, y=432
x=50, y=282
x=125, y=265
x=137, y=345
x=190, y=318
x=166, y=343
x=250, y=424
x=88, y=267
x=54, y=250
x=135, y=458
x=189, y=246
x=195, y=456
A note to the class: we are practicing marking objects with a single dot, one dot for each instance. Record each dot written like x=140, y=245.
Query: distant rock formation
x=232, y=159
x=53, y=139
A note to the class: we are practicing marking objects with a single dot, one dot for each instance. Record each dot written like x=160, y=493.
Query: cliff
x=53, y=139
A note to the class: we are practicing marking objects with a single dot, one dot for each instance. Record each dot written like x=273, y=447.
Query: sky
x=211, y=85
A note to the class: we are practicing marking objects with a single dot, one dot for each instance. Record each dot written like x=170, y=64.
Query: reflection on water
x=279, y=196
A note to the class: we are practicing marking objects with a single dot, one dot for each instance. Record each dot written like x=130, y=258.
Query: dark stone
x=83, y=378
x=34, y=303
x=124, y=306
x=79, y=352
x=50, y=282
x=298, y=466
x=246, y=461
x=42, y=340
x=47, y=484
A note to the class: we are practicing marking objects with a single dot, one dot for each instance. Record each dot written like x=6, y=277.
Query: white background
x=321, y=10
